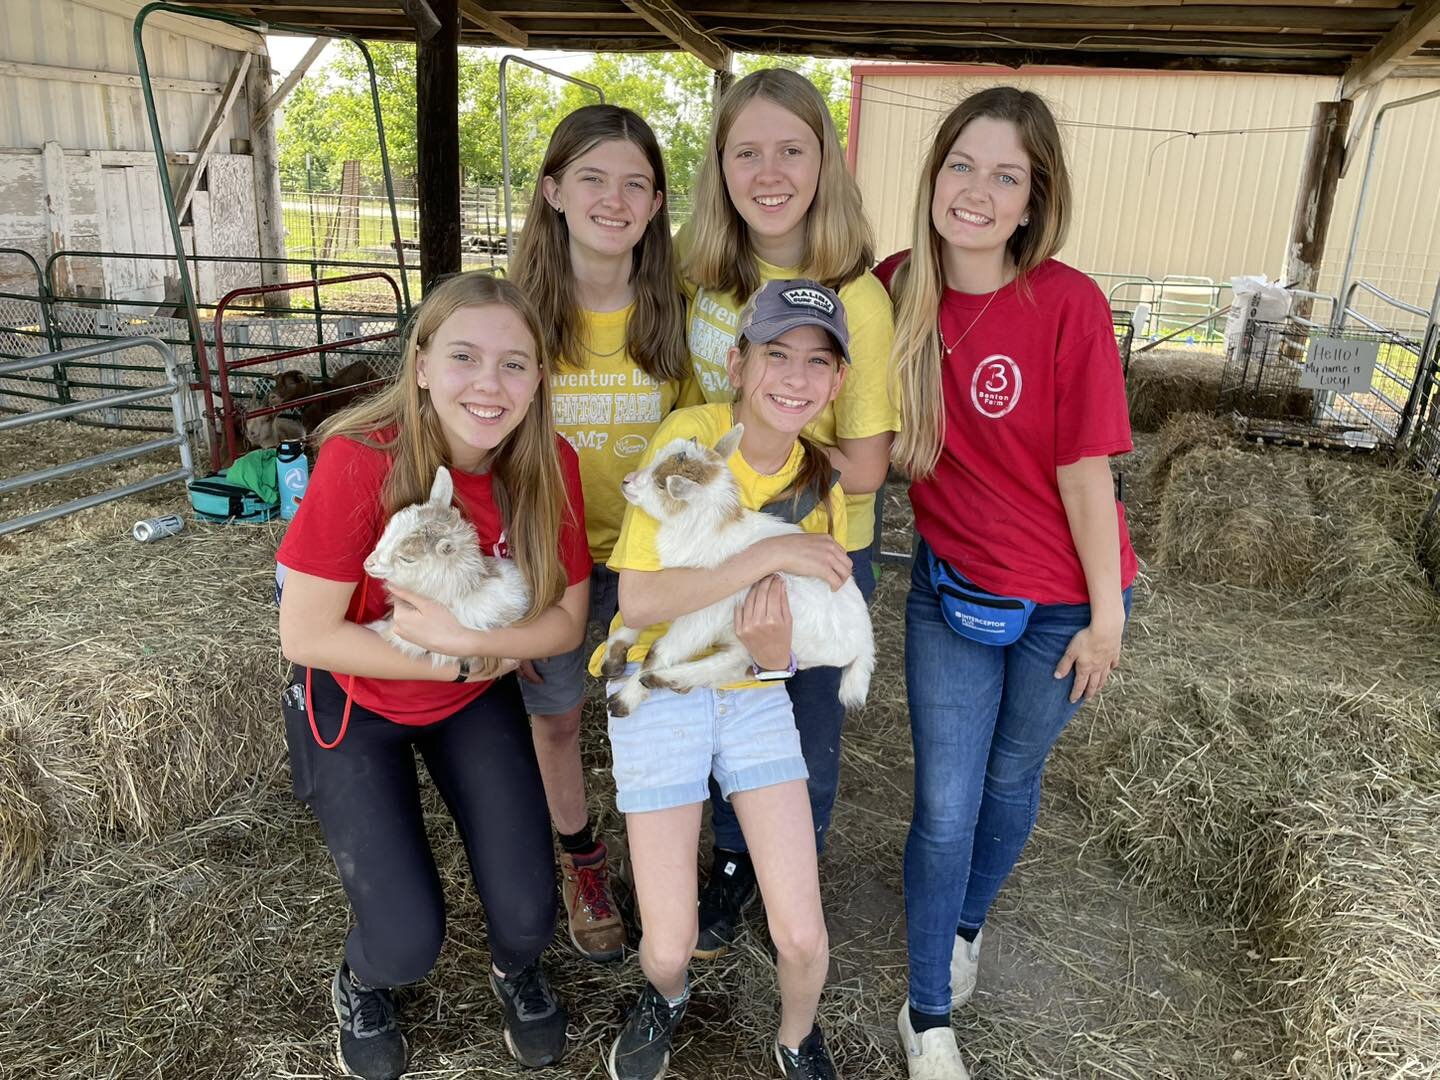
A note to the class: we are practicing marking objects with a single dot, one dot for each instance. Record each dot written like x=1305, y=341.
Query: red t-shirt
x=1035, y=383
x=341, y=518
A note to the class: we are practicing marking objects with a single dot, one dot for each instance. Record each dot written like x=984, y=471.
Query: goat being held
x=430, y=549
x=692, y=494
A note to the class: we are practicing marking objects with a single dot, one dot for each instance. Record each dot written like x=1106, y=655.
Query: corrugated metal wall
x=96, y=35
x=1153, y=203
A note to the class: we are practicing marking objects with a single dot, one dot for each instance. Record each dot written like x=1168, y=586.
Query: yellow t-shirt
x=863, y=407
x=635, y=550
x=607, y=409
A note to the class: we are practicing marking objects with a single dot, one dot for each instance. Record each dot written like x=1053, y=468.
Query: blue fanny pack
x=974, y=613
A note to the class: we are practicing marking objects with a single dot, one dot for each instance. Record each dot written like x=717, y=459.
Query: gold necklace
x=603, y=355
x=947, y=349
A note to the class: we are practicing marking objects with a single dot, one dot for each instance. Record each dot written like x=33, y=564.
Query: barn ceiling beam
x=1420, y=24
x=185, y=191
x=288, y=84
x=421, y=17
x=683, y=31
x=1150, y=17
x=471, y=11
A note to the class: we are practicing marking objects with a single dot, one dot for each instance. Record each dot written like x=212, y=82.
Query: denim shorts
x=665, y=752
x=564, y=676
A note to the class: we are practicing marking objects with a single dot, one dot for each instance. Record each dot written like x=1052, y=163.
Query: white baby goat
x=429, y=548
x=691, y=492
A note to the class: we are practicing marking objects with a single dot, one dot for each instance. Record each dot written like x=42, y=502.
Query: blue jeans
x=819, y=718
x=982, y=719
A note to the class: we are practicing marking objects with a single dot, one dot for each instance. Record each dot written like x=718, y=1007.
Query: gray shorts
x=564, y=676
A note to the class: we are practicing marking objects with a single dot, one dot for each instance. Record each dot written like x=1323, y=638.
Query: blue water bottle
x=293, y=474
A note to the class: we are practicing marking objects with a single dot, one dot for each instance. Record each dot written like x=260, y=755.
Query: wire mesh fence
x=1264, y=384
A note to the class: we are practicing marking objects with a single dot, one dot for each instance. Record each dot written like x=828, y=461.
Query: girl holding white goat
x=595, y=256
x=1013, y=399
x=789, y=362
x=774, y=200
x=471, y=395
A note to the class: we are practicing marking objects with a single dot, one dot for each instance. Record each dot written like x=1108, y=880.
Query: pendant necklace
x=947, y=348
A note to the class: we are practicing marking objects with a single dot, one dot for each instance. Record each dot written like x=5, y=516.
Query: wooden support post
x=272, y=104
x=437, y=98
x=1319, y=177
x=720, y=80
x=57, y=211
x=191, y=180
x=265, y=169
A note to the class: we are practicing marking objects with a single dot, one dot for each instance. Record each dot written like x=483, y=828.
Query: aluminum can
x=157, y=528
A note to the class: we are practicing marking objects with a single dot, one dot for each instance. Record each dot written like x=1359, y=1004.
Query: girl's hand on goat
x=430, y=624
x=486, y=668
x=762, y=623
x=808, y=555
x=1092, y=654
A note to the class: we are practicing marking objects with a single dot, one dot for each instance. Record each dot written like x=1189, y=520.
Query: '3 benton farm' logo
x=995, y=386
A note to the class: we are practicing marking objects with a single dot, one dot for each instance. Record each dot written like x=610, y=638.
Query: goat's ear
x=681, y=488
x=729, y=442
x=443, y=490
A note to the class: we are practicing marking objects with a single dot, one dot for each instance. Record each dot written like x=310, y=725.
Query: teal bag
x=216, y=498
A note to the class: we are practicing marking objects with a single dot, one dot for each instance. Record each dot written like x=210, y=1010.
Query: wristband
x=776, y=675
x=464, y=675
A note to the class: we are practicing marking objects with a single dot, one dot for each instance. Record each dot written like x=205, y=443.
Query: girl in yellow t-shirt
x=773, y=200
x=596, y=259
x=790, y=360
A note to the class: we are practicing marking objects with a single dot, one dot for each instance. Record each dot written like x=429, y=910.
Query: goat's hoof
x=612, y=669
x=616, y=706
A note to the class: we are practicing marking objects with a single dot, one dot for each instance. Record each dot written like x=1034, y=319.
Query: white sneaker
x=964, y=962
x=931, y=1055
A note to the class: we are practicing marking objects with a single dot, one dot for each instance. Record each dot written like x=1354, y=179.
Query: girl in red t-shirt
x=471, y=395
x=1012, y=399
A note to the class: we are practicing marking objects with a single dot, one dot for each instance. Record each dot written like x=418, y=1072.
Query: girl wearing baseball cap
x=773, y=200
x=789, y=362
x=1013, y=400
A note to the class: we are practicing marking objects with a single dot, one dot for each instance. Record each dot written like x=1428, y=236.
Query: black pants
x=366, y=796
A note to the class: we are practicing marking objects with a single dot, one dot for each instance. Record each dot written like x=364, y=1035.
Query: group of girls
x=981, y=367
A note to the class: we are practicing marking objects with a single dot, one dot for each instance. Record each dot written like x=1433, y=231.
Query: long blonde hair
x=655, y=330
x=920, y=282
x=528, y=485
x=838, y=243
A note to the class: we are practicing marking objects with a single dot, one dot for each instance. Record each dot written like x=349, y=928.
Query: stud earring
x=1025, y=220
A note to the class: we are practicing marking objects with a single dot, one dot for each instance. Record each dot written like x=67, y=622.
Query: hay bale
x=1277, y=765
x=145, y=676
x=1180, y=434
x=1229, y=517
x=1162, y=383
x=22, y=819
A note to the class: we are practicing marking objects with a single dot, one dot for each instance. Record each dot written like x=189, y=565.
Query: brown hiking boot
x=596, y=928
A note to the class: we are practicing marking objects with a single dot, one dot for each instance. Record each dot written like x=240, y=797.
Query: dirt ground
x=208, y=953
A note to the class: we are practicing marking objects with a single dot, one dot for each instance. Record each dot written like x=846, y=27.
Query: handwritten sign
x=1346, y=367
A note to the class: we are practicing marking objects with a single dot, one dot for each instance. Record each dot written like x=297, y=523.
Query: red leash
x=349, y=687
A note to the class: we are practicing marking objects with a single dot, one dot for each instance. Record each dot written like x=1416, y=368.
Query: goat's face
x=428, y=542
x=684, y=475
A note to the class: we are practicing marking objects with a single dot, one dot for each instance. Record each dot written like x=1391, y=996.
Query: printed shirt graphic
x=341, y=519
x=607, y=409
x=863, y=407
x=1035, y=384
x=635, y=549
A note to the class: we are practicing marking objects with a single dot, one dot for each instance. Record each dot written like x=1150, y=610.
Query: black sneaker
x=642, y=1051
x=534, y=1018
x=812, y=1062
x=371, y=1044
x=730, y=890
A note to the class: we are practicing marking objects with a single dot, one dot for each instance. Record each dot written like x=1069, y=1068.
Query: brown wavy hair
x=529, y=487
x=839, y=246
x=655, y=331
x=920, y=282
